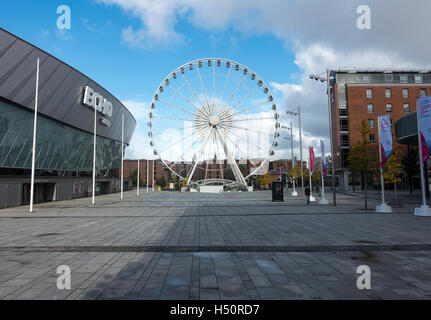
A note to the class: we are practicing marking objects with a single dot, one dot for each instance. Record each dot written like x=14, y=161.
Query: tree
x=410, y=164
x=295, y=173
x=359, y=158
x=263, y=180
x=161, y=182
x=134, y=177
x=375, y=169
x=392, y=169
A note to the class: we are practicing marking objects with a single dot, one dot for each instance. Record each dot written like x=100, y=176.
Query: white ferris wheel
x=213, y=121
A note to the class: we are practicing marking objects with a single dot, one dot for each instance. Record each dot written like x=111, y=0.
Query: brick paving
x=170, y=245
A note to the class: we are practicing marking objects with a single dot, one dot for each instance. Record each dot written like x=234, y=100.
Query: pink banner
x=424, y=114
x=310, y=150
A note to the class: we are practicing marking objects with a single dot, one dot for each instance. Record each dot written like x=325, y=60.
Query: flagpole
x=383, y=207
x=152, y=176
x=294, y=193
x=137, y=181
x=424, y=210
x=122, y=156
x=147, y=175
x=33, y=156
x=310, y=173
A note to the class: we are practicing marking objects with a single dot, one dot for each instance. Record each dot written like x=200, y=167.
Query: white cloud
x=139, y=109
x=158, y=20
x=321, y=34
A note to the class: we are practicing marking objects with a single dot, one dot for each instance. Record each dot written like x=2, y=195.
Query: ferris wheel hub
x=214, y=120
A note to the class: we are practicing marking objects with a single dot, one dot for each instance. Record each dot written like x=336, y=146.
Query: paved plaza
x=169, y=245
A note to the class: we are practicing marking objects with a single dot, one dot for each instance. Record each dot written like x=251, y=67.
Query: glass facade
x=59, y=146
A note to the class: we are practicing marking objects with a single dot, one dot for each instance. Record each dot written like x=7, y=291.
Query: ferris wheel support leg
x=235, y=169
x=189, y=177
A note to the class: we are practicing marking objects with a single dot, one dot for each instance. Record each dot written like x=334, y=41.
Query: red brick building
x=358, y=95
x=204, y=170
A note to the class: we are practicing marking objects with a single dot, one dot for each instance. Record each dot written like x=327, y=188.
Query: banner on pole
x=294, y=162
x=424, y=114
x=322, y=149
x=310, y=150
x=385, y=138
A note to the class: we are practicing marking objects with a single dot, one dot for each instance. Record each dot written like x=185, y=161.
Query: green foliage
x=264, y=180
x=161, y=182
x=360, y=158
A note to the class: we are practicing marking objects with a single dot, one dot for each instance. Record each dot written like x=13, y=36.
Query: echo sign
x=95, y=100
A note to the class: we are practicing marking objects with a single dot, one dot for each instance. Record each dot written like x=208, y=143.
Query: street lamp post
x=298, y=113
x=294, y=193
x=328, y=82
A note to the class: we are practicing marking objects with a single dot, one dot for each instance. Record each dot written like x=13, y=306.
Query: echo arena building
x=65, y=126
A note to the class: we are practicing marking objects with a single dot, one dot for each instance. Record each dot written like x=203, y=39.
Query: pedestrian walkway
x=170, y=245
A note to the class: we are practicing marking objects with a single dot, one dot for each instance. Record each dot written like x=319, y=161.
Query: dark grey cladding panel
x=11, y=60
x=50, y=87
x=61, y=88
x=6, y=40
x=21, y=83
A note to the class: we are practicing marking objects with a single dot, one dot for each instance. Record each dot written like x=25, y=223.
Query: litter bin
x=277, y=191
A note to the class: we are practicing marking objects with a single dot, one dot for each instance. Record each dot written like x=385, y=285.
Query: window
x=388, y=93
x=391, y=123
x=406, y=107
x=366, y=78
x=418, y=78
x=389, y=77
x=403, y=78
x=344, y=125
x=423, y=92
x=372, y=138
x=370, y=108
x=405, y=93
x=369, y=93
x=388, y=107
x=371, y=123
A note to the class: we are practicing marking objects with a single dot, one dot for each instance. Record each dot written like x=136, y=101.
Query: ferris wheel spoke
x=252, y=130
x=203, y=87
x=225, y=83
x=239, y=102
x=176, y=91
x=230, y=140
x=192, y=90
x=250, y=108
x=249, y=119
x=236, y=89
x=184, y=152
x=176, y=129
x=178, y=107
x=214, y=84
x=173, y=118
x=250, y=141
x=175, y=143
